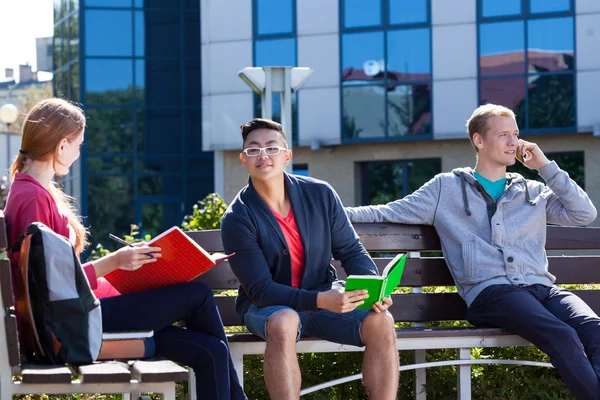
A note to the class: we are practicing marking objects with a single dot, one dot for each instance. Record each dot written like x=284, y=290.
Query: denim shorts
x=334, y=327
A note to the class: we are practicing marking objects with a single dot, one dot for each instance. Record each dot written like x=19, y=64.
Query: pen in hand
x=119, y=240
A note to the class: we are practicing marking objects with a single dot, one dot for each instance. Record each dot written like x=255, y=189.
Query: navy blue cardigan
x=262, y=261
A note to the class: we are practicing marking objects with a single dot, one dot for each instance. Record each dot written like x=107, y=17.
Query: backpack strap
x=17, y=246
x=31, y=341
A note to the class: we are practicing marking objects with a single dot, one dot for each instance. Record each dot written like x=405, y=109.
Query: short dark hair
x=261, y=123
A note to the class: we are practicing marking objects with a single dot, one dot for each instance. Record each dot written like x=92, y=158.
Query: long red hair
x=47, y=124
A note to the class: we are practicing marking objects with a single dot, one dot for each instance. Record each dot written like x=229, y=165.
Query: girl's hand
x=132, y=258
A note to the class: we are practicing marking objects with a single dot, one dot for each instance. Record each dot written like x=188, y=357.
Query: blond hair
x=477, y=123
x=47, y=124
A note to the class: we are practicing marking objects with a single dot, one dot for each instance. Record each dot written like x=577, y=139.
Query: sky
x=21, y=22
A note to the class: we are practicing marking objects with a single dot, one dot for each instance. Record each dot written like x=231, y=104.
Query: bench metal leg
x=191, y=384
x=238, y=362
x=464, y=375
x=420, y=376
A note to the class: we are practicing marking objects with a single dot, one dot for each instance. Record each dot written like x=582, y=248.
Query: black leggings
x=202, y=345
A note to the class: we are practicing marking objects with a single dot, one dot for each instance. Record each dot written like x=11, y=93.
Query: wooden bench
x=129, y=378
x=418, y=307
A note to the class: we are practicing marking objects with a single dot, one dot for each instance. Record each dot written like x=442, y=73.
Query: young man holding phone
x=492, y=226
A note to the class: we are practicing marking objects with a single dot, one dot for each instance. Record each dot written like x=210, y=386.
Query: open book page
x=393, y=271
x=127, y=335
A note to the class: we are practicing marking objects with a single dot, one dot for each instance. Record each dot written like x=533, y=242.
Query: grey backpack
x=59, y=316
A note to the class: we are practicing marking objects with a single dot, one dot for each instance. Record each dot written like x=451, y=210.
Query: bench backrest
x=6, y=296
x=423, y=271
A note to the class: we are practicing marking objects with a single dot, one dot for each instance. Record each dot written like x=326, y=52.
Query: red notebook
x=182, y=261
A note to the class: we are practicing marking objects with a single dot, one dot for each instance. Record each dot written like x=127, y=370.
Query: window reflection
x=109, y=81
x=110, y=165
x=551, y=101
x=277, y=52
x=156, y=131
x=158, y=82
x=159, y=35
x=274, y=17
x=363, y=112
x=362, y=13
x=550, y=44
x=409, y=110
x=406, y=59
x=73, y=37
x=112, y=130
x=362, y=57
x=108, y=33
x=495, y=8
x=501, y=48
x=108, y=3
x=407, y=11
x=546, y=6
x=110, y=206
x=509, y=92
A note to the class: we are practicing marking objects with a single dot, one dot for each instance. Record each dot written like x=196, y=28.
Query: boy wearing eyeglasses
x=284, y=229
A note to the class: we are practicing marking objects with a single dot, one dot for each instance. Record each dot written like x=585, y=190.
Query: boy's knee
x=378, y=327
x=283, y=327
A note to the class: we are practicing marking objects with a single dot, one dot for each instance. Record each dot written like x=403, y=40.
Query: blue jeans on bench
x=202, y=345
x=556, y=321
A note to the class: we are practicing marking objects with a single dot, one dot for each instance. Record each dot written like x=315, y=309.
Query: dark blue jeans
x=202, y=345
x=556, y=321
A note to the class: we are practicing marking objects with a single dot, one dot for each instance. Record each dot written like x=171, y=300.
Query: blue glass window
x=108, y=81
x=551, y=101
x=363, y=112
x=108, y=3
x=409, y=110
x=495, y=8
x=406, y=60
x=161, y=82
x=551, y=44
x=548, y=6
x=276, y=52
x=274, y=17
x=108, y=33
x=363, y=57
x=508, y=91
x=501, y=48
x=408, y=11
x=159, y=34
x=191, y=34
x=112, y=130
x=362, y=13
x=155, y=132
x=193, y=82
x=110, y=165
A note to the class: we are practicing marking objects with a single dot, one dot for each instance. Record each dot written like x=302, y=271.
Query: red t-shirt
x=294, y=241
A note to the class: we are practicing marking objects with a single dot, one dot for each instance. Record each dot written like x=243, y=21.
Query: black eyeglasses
x=256, y=151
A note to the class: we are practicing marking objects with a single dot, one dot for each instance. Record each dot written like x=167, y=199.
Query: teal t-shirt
x=494, y=189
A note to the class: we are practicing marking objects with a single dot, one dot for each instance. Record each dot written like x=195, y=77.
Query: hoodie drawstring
x=528, y=196
x=465, y=198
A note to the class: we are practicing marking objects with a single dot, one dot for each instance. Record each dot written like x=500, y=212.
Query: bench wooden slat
x=434, y=272
x=6, y=284
x=44, y=374
x=105, y=372
x=3, y=233
x=10, y=325
x=157, y=371
x=391, y=237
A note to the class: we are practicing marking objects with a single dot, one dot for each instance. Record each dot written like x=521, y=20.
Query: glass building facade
x=385, y=59
x=135, y=67
x=527, y=61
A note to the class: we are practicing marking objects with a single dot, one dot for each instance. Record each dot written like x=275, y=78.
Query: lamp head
x=8, y=113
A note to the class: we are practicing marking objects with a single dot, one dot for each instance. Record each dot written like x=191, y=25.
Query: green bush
x=206, y=214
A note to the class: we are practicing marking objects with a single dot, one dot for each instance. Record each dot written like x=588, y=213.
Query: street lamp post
x=284, y=80
x=8, y=115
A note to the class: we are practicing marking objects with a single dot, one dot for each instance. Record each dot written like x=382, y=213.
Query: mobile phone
x=519, y=156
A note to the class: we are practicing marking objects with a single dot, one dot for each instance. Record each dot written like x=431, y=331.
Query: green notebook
x=378, y=286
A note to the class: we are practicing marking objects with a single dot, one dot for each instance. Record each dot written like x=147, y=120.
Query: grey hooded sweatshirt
x=485, y=242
